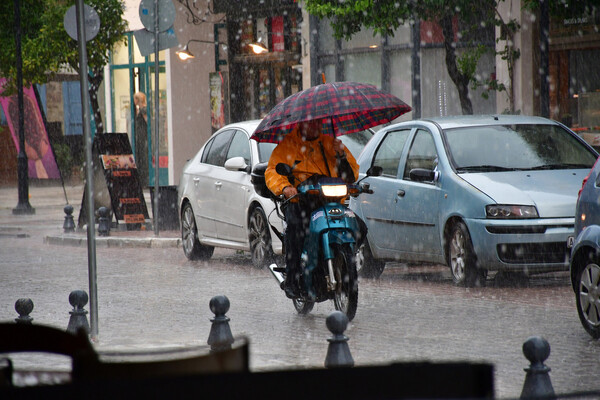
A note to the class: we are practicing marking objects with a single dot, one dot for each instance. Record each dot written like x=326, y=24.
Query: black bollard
x=103, y=222
x=78, y=320
x=24, y=307
x=6, y=372
x=220, y=337
x=537, y=380
x=338, y=352
x=69, y=224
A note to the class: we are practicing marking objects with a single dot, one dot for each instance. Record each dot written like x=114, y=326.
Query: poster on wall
x=247, y=36
x=41, y=161
x=219, y=93
x=277, y=33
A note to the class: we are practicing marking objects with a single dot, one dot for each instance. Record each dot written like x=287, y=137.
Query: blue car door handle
x=400, y=193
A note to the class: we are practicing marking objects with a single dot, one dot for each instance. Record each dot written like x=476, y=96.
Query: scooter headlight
x=334, y=190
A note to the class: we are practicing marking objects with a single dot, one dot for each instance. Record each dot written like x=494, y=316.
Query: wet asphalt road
x=155, y=297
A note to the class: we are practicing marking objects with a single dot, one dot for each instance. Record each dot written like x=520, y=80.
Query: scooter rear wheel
x=344, y=269
x=303, y=307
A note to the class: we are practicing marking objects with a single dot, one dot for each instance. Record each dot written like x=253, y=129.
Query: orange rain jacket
x=294, y=148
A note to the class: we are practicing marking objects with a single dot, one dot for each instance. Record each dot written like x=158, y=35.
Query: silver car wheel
x=192, y=248
x=188, y=230
x=366, y=265
x=360, y=258
x=260, y=239
x=457, y=256
x=462, y=259
x=589, y=295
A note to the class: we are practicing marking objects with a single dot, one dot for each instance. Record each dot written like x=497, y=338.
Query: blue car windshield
x=515, y=148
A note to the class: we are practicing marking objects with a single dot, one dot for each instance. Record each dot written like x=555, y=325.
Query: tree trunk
x=460, y=80
x=95, y=82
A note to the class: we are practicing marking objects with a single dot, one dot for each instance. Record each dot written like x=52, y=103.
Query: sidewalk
x=49, y=200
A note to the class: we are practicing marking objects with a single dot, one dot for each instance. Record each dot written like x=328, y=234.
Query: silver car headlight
x=510, y=211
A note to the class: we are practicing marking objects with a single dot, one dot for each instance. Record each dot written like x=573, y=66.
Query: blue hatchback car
x=478, y=193
x=585, y=255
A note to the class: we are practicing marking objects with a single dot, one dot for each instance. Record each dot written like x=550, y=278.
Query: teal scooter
x=328, y=264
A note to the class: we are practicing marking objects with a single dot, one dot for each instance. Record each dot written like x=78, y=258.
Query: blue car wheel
x=587, y=294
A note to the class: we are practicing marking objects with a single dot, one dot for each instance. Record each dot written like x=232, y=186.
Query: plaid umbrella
x=345, y=107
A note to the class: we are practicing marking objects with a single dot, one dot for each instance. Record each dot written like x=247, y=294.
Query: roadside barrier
x=103, y=221
x=220, y=337
x=69, y=224
x=78, y=320
x=537, y=380
x=24, y=307
x=537, y=384
x=338, y=351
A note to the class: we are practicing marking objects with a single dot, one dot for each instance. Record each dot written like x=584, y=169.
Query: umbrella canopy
x=344, y=107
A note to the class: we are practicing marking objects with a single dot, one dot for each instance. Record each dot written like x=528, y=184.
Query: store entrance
x=132, y=73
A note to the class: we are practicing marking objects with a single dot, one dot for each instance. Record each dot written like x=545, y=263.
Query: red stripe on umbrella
x=344, y=107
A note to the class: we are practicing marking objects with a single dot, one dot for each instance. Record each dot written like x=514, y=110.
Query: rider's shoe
x=290, y=288
x=292, y=291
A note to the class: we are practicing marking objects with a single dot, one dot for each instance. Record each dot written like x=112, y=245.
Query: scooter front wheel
x=303, y=307
x=346, y=292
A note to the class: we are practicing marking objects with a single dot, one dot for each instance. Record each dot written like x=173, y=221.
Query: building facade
x=227, y=81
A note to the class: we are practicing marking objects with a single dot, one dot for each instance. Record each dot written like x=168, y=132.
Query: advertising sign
x=218, y=100
x=114, y=159
x=41, y=161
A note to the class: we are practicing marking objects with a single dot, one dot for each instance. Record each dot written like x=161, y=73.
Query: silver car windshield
x=355, y=142
x=515, y=147
x=264, y=151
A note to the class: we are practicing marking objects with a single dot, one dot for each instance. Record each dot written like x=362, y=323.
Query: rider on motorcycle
x=309, y=153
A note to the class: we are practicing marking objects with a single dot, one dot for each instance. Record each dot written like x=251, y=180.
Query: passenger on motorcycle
x=309, y=153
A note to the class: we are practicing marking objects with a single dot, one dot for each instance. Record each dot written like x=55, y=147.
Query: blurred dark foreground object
x=226, y=375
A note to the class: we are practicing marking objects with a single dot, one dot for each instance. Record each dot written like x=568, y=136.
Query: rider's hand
x=338, y=146
x=289, y=191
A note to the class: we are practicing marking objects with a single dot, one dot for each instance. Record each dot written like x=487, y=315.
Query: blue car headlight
x=510, y=211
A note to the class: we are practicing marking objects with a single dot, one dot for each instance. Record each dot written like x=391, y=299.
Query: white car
x=218, y=204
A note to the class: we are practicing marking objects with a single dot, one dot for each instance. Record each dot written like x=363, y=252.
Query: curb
x=78, y=241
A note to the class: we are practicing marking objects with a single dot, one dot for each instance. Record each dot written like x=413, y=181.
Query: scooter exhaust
x=276, y=274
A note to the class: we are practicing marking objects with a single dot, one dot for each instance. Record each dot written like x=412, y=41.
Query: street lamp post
x=23, y=207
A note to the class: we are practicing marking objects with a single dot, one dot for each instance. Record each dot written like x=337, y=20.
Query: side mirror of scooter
x=285, y=170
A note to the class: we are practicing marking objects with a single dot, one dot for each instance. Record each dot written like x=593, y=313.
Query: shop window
x=365, y=68
x=365, y=38
x=402, y=36
x=326, y=40
x=585, y=86
x=401, y=77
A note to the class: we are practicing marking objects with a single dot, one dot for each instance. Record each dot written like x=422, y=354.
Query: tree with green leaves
x=385, y=16
x=46, y=46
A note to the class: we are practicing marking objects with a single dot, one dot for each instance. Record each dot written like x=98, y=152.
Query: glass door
x=163, y=148
x=132, y=78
